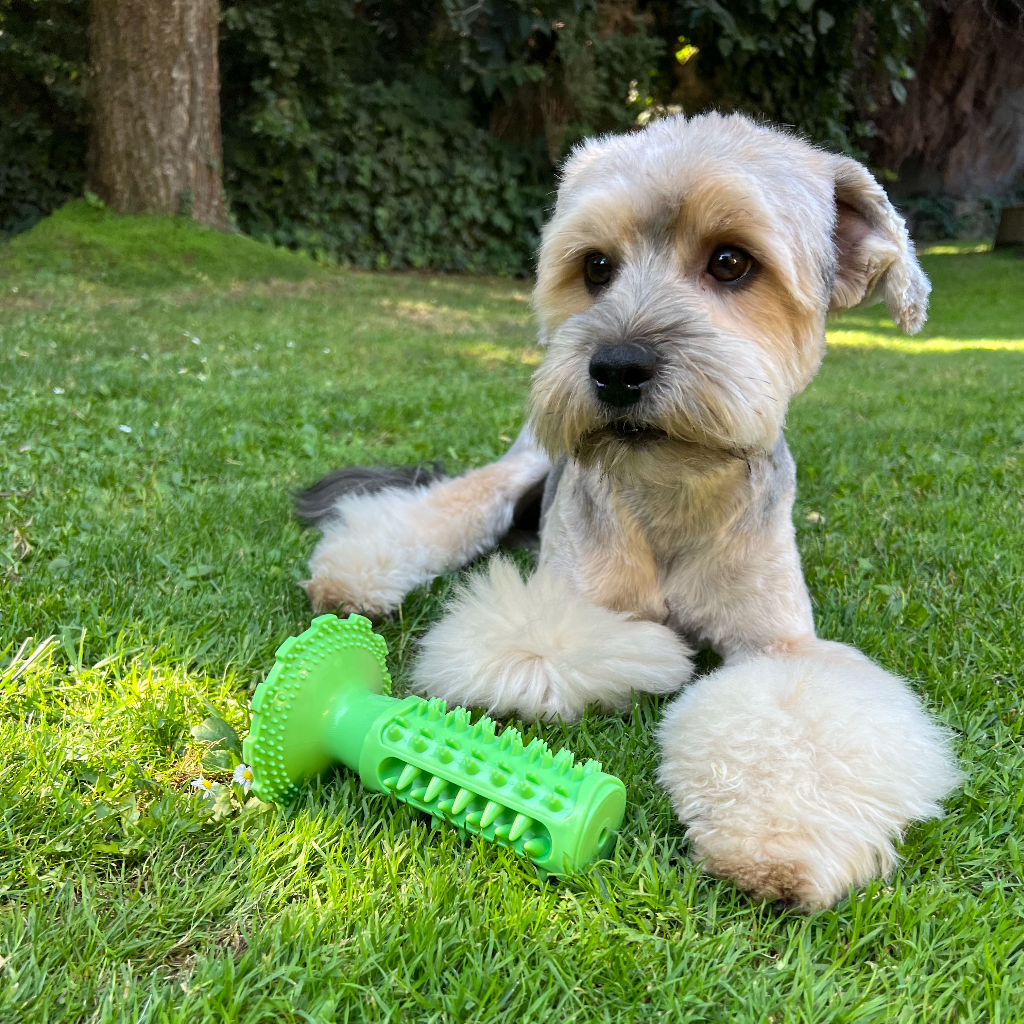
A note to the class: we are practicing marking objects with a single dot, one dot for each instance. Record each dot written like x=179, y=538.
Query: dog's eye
x=729, y=263
x=597, y=270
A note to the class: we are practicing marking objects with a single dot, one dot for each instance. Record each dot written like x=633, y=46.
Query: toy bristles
x=324, y=703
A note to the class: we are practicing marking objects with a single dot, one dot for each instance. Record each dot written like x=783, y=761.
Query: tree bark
x=154, y=91
x=961, y=129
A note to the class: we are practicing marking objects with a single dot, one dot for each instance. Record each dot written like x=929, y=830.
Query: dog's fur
x=796, y=764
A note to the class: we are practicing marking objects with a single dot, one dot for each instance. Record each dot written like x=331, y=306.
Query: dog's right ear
x=874, y=254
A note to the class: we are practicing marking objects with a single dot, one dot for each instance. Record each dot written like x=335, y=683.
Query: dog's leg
x=795, y=770
x=537, y=649
x=377, y=547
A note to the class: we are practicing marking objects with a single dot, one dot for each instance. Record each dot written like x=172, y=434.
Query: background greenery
x=163, y=560
x=426, y=133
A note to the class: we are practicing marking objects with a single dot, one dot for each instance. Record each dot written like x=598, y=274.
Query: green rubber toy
x=326, y=701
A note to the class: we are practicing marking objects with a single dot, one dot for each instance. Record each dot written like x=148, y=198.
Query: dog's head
x=684, y=281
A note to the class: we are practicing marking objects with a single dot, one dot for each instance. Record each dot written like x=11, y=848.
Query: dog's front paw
x=795, y=773
x=372, y=582
x=367, y=561
x=538, y=650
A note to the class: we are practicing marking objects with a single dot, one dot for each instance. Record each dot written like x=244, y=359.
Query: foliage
x=569, y=68
x=43, y=114
x=813, y=64
x=338, y=142
x=933, y=216
x=426, y=133
x=169, y=557
x=383, y=176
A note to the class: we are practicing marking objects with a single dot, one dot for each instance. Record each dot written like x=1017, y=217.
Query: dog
x=683, y=285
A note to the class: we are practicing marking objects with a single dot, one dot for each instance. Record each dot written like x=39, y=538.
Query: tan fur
x=796, y=765
x=380, y=546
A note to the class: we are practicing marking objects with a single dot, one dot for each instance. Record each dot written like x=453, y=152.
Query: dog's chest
x=711, y=563
x=635, y=553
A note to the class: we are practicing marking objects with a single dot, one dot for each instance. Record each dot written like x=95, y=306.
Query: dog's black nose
x=621, y=371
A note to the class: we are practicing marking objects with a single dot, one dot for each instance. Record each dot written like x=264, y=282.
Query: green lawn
x=163, y=389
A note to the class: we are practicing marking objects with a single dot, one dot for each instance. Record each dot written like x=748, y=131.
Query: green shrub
x=812, y=64
x=384, y=176
x=43, y=114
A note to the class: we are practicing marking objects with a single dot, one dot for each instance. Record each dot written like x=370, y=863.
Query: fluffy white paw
x=380, y=546
x=537, y=650
x=367, y=561
x=795, y=773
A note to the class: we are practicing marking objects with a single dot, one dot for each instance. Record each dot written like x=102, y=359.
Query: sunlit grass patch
x=873, y=339
x=956, y=247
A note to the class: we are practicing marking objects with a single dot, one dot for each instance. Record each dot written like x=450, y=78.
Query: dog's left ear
x=874, y=254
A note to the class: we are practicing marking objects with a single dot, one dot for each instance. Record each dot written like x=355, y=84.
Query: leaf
x=215, y=760
x=222, y=804
x=254, y=805
x=215, y=730
x=918, y=615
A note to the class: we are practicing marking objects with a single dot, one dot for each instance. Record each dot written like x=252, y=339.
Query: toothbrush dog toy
x=327, y=701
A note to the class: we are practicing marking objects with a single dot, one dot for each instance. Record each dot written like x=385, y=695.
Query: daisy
x=242, y=776
x=205, y=786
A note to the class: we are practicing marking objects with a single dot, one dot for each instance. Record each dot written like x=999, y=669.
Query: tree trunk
x=153, y=87
x=961, y=129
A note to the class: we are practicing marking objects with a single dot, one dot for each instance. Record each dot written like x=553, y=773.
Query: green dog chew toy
x=326, y=702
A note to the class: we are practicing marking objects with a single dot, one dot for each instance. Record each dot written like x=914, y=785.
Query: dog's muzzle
x=619, y=373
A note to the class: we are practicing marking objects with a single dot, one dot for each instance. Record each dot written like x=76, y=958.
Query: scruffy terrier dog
x=682, y=290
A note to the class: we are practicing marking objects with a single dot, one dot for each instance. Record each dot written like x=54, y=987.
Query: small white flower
x=183, y=371
x=256, y=347
x=58, y=391
x=205, y=786
x=145, y=355
x=327, y=351
x=203, y=360
x=196, y=341
x=242, y=776
x=125, y=429
x=291, y=344
x=200, y=376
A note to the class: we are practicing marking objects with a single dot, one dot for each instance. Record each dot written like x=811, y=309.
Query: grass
x=163, y=561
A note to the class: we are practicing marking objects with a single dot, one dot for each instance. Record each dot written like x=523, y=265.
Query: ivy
x=384, y=176
x=43, y=114
x=814, y=64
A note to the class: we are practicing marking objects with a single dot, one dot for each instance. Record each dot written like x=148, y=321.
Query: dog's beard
x=616, y=439
x=699, y=411
x=715, y=396
x=630, y=442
